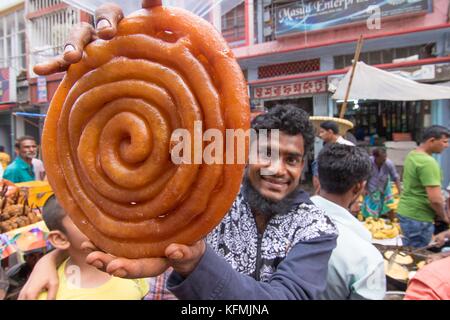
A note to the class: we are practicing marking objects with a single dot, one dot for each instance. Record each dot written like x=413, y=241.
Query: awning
x=376, y=84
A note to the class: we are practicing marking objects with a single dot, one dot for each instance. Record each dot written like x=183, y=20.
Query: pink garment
x=38, y=168
x=432, y=282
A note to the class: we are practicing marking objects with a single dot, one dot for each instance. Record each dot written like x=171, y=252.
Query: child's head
x=64, y=234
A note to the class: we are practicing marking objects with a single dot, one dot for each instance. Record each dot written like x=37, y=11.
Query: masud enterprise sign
x=307, y=15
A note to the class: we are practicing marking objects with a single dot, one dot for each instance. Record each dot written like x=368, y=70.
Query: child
x=77, y=279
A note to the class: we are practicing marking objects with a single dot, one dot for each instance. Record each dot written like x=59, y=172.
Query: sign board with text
x=300, y=16
x=291, y=89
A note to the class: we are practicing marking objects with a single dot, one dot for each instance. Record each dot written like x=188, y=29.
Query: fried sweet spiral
x=107, y=135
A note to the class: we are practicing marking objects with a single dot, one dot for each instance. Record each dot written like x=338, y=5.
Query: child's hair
x=53, y=214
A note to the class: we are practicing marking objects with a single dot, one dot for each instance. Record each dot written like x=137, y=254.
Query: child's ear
x=58, y=240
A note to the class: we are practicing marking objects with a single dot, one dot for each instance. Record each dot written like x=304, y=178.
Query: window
x=12, y=40
x=233, y=25
x=385, y=56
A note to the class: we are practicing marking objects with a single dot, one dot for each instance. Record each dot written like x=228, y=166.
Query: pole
x=355, y=61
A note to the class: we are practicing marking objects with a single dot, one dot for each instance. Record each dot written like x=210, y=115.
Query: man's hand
x=184, y=259
x=107, y=16
x=442, y=238
x=126, y=268
x=44, y=277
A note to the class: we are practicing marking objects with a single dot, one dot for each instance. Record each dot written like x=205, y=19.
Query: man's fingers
x=99, y=259
x=151, y=3
x=57, y=64
x=107, y=16
x=179, y=252
x=79, y=37
x=137, y=268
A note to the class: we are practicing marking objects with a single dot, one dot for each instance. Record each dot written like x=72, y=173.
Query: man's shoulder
x=312, y=222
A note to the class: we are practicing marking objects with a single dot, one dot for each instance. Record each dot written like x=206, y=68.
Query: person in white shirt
x=329, y=133
x=38, y=168
x=356, y=267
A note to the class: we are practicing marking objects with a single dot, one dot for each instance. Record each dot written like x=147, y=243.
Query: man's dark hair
x=53, y=214
x=290, y=120
x=378, y=152
x=330, y=125
x=21, y=139
x=2, y=149
x=437, y=132
x=341, y=167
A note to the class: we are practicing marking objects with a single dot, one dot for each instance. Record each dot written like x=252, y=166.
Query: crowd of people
x=276, y=242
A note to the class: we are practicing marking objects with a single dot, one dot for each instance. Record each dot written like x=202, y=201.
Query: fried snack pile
x=107, y=135
x=14, y=209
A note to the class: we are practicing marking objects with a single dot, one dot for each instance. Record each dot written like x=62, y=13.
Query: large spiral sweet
x=107, y=135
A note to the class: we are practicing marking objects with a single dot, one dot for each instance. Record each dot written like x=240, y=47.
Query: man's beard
x=30, y=155
x=266, y=206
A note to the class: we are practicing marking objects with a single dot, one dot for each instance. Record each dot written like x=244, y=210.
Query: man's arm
x=437, y=202
x=301, y=275
x=394, y=175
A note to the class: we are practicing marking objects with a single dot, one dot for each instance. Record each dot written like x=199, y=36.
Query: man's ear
x=359, y=188
x=58, y=240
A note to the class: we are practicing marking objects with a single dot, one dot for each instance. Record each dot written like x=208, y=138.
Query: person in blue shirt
x=356, y=267
x=21, y=169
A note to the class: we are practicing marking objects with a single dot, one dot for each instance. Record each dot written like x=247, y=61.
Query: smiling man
x=276, y=241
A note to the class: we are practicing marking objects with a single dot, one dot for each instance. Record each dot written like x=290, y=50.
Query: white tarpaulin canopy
x=376, y=84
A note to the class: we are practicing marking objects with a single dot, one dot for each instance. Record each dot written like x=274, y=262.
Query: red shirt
x=432, y=282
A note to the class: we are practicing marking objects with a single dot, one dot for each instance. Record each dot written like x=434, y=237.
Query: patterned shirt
x=237, y=240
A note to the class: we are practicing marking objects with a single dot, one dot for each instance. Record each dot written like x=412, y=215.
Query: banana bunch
x=380, y=229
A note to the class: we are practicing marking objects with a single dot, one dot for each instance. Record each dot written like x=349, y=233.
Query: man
x=356, y=267
x=5, y=159
x=21, y=169
x=329, y=133
x=273, y=244
x=378, y=189
x=422, y=201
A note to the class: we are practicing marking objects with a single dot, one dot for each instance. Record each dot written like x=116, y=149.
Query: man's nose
x=278, y=167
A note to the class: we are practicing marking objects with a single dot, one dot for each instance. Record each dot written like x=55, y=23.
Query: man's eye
x=292, y=161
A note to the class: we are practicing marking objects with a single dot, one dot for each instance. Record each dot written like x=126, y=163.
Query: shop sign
x=291, y=89
x=42, y=89
x=7, y=85
x=303, y=16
